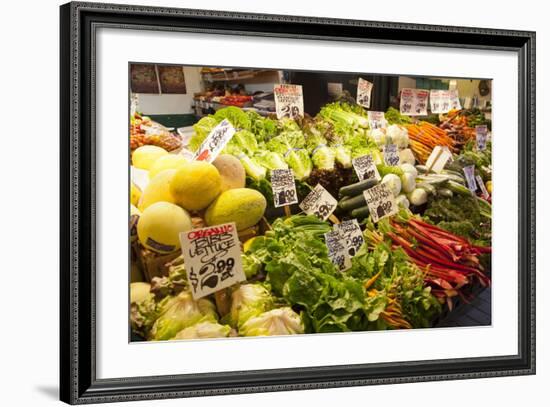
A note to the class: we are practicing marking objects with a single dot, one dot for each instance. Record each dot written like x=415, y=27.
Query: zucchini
x=458, y=188
x=352, y=203
x=429, y=188
x=421, y=168
x=361, y=212
x=357, y=188
x=445, y=192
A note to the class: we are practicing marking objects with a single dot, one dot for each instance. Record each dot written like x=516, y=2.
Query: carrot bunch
x=456, y=126
x=424, y=136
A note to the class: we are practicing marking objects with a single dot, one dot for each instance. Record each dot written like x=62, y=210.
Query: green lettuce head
x=202, y=129
x=177, y=313
x=280, y=321
x=143, y=308
x=248, y=301
x=206, y=329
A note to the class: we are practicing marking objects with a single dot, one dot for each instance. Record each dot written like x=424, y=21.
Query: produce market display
x=370, y=232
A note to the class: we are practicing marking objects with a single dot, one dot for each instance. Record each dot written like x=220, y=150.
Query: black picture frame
x=78, y=382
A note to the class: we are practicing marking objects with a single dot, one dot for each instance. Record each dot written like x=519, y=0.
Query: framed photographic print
x=291, y=184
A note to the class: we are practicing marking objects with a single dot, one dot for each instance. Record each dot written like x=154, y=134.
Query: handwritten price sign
x=215, y=142
x=414, y=102
x=289, y=101
x=319, y=202
x=391, y=154
x=481, y=137
x=351, y=234
x=364, y=89
x=365, y=168
x=380, y=201
x=377, y=120
x=337, y=250
x=440, y=101
x=284, y=187
x=212, y=258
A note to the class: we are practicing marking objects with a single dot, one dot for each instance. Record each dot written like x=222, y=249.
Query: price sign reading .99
x=319, y=202
x=284, y=187
x=351, y=234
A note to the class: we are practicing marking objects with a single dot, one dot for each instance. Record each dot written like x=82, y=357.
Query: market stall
x=266, y=220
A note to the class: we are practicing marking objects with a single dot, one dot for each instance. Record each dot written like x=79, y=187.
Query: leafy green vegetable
x=236, y=116
x=462, y=215
x=177, y=313
x=393, y=116
x=202, y=129
x=291, y=145
x=248, y=301
x=206, y=329
x=280, y=321
x=143, y=308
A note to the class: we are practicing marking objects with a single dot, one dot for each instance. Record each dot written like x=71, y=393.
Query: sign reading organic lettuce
x=212, y=257
x=289, y=101
x=215, y=142
x=284, y=187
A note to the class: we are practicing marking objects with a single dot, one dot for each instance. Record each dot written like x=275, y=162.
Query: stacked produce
x=411, y=267
x=144, y=131
x=425, y=136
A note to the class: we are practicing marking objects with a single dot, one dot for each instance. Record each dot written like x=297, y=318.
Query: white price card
x=377, y=120
x=484, y=192
x=391, y=154
x=365, y=168
x=440, y=101
x=469, y=172
x=439, y=158
x=364, y=90
x=351, y=234
x=481, y=137
x=284, y=187
x=334, y=89
x=414, y=102
x=215, y=142
x=289, y=100
x=212, y=257
x=381, y=202
x=319, y=202
x=337, y=250
x=454, y=100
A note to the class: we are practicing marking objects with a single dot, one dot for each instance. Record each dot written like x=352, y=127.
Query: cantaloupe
x=134, y=217
x=159, y=227
x=135, y=193
x=167, y=162
x=244, y=206
x=195, y=185
x=158, y=190
x=145, y=156
x=231, y=170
